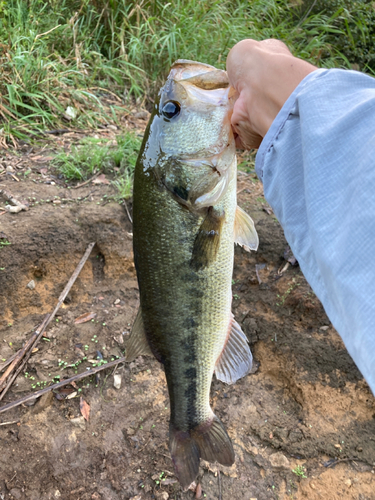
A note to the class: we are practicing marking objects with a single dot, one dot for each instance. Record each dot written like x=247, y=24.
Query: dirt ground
x=305, y=411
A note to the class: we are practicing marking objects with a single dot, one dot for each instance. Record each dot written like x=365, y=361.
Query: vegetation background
x=56, y=54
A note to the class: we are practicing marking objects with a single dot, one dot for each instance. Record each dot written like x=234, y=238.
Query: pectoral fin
x=245, y=233
x=236, y=359
x=206, y=244
x=138, y=345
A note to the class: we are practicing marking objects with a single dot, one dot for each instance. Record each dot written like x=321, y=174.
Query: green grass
x=93, y=156
x=56, y=54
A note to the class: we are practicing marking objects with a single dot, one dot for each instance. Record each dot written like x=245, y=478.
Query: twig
x=219, y=481
x=59, y=131
x=38, y=333
x=127, y=211
x=79, y=376
x=19, y=355
x=9, y=423
x=70, y=283
x=35, y=339
x=6, y=363
x=240, y=190
x=87, y=182
x=339, y=460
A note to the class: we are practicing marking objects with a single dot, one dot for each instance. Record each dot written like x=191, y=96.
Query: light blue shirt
x=317, y=164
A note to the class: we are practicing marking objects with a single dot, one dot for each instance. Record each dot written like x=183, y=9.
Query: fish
x=185, y=223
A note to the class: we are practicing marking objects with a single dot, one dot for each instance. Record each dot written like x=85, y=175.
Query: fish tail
x=208, y=440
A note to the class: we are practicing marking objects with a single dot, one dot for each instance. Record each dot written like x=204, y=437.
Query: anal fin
x=245, y=233
x=236, y=359
x=138, y=345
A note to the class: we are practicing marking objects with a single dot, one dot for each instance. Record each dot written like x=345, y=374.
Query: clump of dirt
x=302, y=424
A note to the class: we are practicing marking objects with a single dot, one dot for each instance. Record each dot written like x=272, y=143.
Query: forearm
x=318, y=168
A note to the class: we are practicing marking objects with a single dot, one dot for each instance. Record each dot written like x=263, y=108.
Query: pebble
x=117, y=301
x=79, y=422
x=16, y=493
x=162, y=495
x=9, y=169
x=348, y=482
x=14, y=210
x=279, y=461
x=31, y=285
x=117, y=381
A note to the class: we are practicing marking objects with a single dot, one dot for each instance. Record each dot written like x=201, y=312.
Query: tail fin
x=208, y=440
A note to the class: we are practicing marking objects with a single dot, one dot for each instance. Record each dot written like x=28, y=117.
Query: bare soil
x=306, y=407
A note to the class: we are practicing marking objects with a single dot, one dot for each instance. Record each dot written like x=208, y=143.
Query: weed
x=292, y=285
x=300, y=471
x=74, y=53
x=92, y=156
x=4, y=243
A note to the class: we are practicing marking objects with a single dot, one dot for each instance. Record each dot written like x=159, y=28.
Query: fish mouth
x=201, y=75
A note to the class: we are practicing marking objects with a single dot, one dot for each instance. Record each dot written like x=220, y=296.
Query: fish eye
x=171, y=109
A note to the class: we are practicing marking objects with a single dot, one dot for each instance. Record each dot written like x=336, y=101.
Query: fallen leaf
x=41, y=158
x=84, y=317
x=85, y=409
x=62, y=393
x=101, y=180
x=72, y=395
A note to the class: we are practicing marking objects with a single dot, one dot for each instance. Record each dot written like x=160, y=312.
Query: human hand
x=264, y=74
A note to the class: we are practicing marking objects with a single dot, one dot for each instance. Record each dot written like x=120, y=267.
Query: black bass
x=185, y=222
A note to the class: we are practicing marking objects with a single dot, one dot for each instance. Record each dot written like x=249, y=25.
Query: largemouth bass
x=186, y=220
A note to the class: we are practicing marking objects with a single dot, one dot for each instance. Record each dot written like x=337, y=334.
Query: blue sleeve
x=317, y=164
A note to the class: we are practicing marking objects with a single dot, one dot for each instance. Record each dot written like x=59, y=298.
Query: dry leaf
x=41, y=158
x=85, y=409
x=84, y=317
x=72, y=395
x=101, y=180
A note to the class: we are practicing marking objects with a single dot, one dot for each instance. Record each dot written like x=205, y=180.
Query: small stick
x=6, y=363
x=87, y=182
x=339, y=460
x=79, y=376
x=8, y=196
x=19, y=355
x=9, y=423
x=35, y=339
x=219, y=481
x=240, y=190
x=127, y=211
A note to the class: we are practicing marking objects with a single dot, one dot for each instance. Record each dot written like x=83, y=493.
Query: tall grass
x=60, y=53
